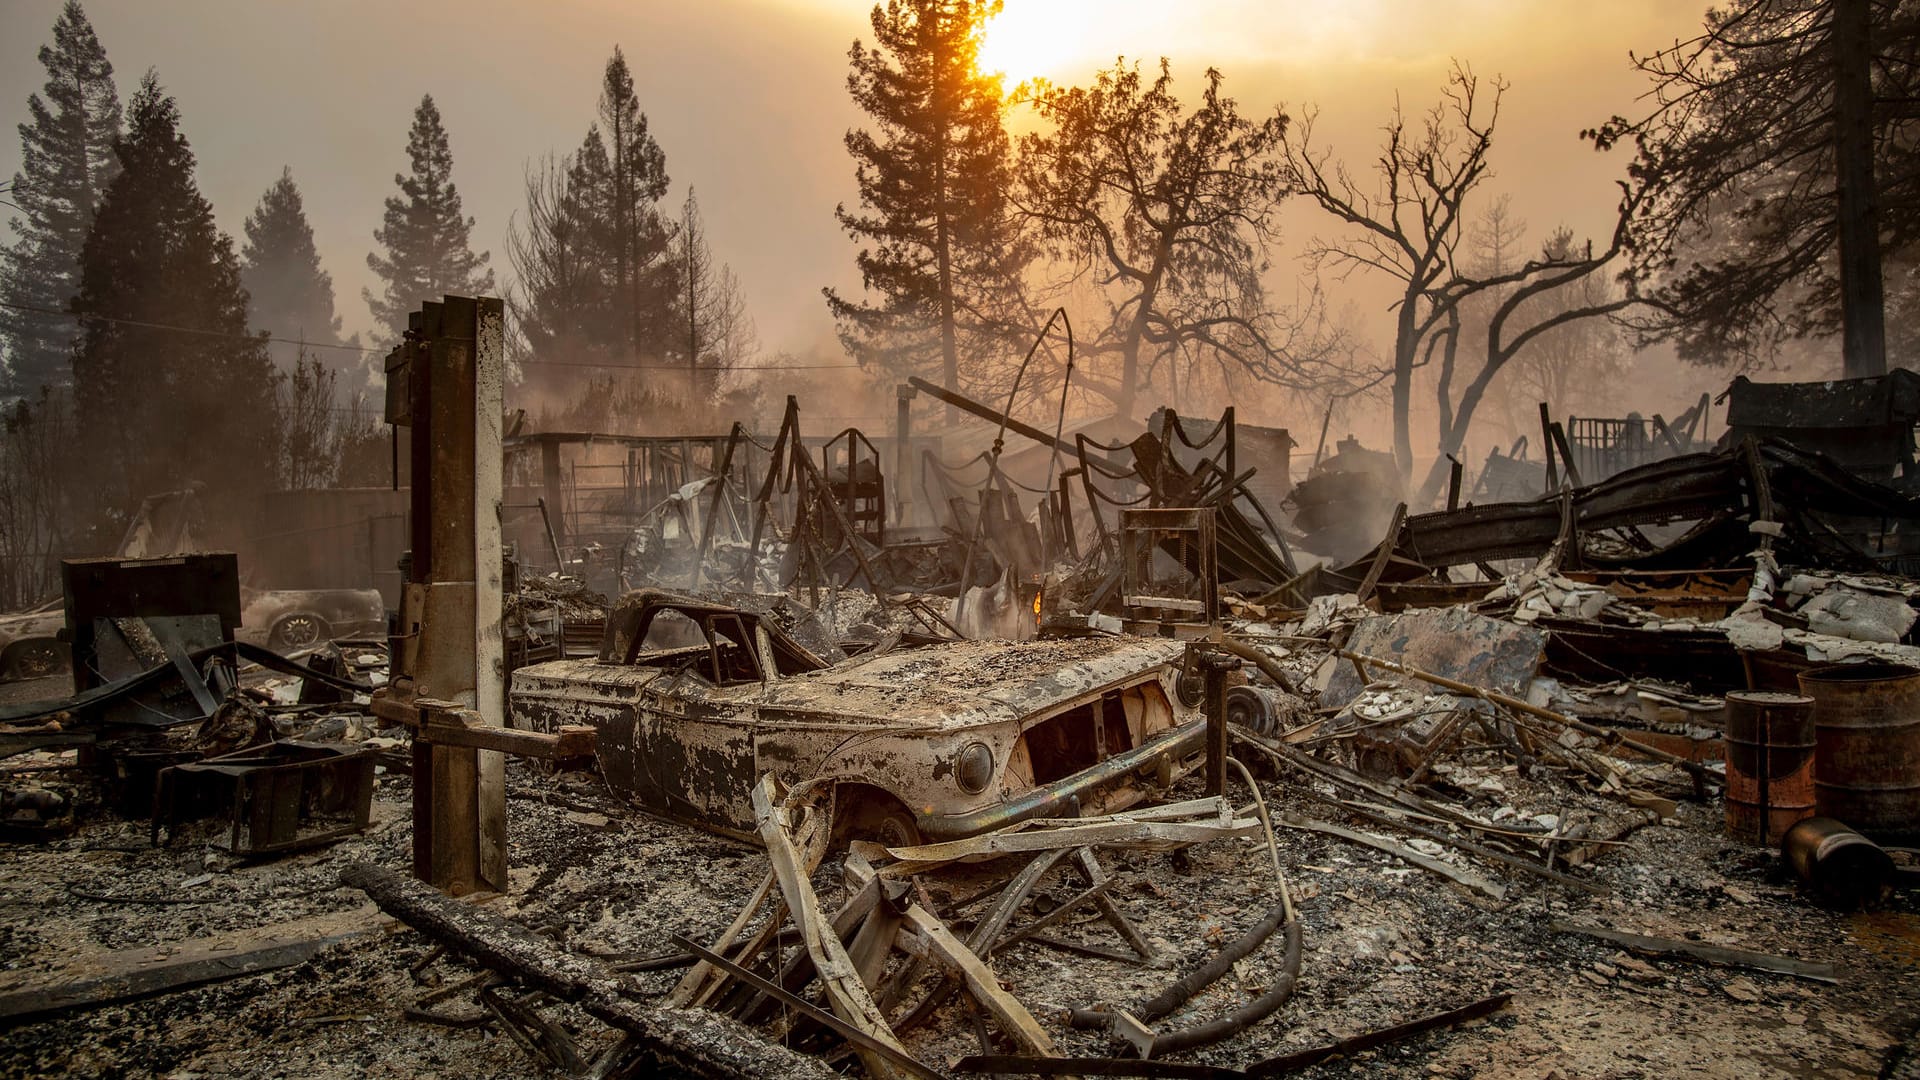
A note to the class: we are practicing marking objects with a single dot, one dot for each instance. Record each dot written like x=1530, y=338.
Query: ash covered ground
x=1384, y=943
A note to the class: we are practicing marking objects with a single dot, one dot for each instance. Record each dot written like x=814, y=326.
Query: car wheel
x=36, y=659
x=297, y=631
x=880, y=818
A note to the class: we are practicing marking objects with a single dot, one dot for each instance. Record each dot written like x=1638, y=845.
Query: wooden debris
x=672, y=1041
x=846, y=993
x=133, y=973
x=1712, y=954
x=687, y=992
x=1014, y=1018
x=1453, y=873
x=1143, y=835
x=807, y=1008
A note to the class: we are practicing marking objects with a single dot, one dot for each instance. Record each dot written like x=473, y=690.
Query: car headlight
x=974, y=768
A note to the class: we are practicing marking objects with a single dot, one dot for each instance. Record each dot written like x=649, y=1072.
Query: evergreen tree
x=428, y=253
x=558, y=291
x=630, y=174
x=289, y=295
x=190, y=396
x=1742, y=218
x=599, y=276
x=66, y=152
x=945, y=258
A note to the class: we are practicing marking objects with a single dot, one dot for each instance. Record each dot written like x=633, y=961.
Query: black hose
x=1245, y=1016
x=1201, y=977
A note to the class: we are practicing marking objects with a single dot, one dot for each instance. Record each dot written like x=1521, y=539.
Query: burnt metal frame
x=271, y=786
x=1187, y=534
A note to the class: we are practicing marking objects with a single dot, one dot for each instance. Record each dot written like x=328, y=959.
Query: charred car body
x=694, y=701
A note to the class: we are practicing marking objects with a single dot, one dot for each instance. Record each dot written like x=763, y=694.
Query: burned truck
x=694, y=701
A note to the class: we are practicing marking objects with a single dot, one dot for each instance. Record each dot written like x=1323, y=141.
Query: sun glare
x=1036, y=37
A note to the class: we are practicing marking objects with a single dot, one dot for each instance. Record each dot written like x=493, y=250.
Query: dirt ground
x=1384, y=943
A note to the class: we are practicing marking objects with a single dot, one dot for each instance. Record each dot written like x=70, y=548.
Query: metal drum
x=1866, y=768
x=1841, y=865
x=1770, y=743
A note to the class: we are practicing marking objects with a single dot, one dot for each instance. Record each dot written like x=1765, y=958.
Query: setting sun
x=1036, y=37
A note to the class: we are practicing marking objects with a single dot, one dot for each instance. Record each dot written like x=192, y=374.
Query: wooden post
x=453, y=603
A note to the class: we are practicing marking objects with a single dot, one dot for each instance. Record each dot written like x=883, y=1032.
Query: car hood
x=32, y=624
x=932, y=687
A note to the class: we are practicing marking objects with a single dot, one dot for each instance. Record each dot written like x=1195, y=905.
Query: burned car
x=30, y=645
x=281, y=619
x=693, y=701
x=288, y=619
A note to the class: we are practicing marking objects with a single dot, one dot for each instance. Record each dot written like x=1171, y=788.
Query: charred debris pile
x=1132, y=759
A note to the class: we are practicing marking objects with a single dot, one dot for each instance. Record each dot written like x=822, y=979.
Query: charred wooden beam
x=673, y=1042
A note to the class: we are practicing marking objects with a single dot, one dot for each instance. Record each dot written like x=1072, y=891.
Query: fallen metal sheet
x=1454, y=642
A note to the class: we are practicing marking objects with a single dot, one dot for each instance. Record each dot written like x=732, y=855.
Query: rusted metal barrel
x=1866, y=768
x=1844, y=867
x=1770, y=743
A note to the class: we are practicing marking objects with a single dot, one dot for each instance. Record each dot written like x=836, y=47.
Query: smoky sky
x=748, y=100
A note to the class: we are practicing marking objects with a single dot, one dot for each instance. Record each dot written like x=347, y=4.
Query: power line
x=611, y=366
x=601, y=364
x=182, y=329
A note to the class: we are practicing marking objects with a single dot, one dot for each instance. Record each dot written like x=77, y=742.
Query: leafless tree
x=1167, y=214
x=1410, y=224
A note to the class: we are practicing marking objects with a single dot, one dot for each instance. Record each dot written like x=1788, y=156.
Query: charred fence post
x=1214, y=663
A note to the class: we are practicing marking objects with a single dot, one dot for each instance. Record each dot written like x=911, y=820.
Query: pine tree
x=289, y=295
x=427, y=241
x=66, y=152
x=191, y=395
x=945, y=259
x=630, y=172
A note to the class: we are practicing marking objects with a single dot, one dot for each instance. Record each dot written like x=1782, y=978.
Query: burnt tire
x=35, y=658
x=875, y=816
x=297, y=631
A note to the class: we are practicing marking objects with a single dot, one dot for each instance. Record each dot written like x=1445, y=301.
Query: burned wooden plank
x=682, y=1042
x=1461, y=876
x=847, y=994
x=1141, y=834
x=1286, y=1063
x=1014, y=1018
x=136, y=973
x=1712, y=954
